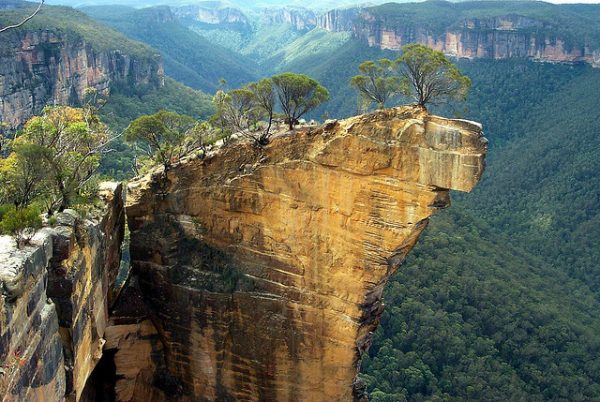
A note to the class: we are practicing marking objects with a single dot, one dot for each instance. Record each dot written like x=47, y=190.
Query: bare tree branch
x=25, y=20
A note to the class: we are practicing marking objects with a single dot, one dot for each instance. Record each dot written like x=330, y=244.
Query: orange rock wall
x=264, y=268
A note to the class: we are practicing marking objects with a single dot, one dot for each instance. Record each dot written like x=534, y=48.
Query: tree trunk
x=64, y=202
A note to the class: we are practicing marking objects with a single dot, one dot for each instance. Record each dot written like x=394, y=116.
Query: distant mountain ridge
x=475, y=30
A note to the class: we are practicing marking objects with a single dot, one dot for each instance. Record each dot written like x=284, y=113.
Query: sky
x=271, y=2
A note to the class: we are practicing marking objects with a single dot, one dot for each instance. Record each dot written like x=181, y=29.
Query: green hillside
x=258, y=44
x=542, y=186
x=307, y=49
x=77, y=25
x=473, y=316
x=188, y=57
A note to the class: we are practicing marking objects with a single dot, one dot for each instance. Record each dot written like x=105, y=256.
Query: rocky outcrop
x=499, y=37
x=263, y=269
x=55, y=300
x=42, y=67
x=214, y=14
x=338, y=20
x=299, y=19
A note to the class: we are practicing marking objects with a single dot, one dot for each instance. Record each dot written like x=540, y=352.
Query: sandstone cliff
x=299, y=19
x=52, y=66
x=497, y=37
x=338, y=20
x=262, y=271
x=55, y=302
x=214, y=14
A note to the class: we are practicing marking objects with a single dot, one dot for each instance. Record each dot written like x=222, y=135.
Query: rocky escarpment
x=262, y=270
x=214, y=14
x=494, y=37
x=299, y=19
x=55, y=302
x=338, y=20
x=50, y=66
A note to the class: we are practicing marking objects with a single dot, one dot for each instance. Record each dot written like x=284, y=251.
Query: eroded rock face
x=299, y=19
x=264, y=269
x=502, y=37
x=44, y=67
x=55, y=300
x=214, y=15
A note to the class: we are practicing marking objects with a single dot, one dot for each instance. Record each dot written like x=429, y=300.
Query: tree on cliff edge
x=429, y=77
x=298, y=94
x=377, y=82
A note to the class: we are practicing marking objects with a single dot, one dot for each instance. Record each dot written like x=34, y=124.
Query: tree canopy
x=429, y=77
x=378, y=81
x=298, y=94
x=162, y=136
x=68, y=143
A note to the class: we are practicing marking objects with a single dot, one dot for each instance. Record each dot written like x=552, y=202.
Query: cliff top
x=360, y=145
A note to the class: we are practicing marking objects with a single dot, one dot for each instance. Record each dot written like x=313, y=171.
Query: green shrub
x=21, y=223
x=4, y=208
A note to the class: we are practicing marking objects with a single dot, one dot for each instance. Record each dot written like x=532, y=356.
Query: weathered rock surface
x=214, y=14
x=54, y=303
x=300, y=19
x=263, y=270
x=502, y=37
x=338, y=20
x=42, y=67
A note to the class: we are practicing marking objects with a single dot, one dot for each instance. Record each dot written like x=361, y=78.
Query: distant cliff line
x=443, y=26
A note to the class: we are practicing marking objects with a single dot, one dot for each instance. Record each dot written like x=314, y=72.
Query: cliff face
x=510, y=36
x=338, y=20
x=216, y=15
x=54, y=303
x=264, y=269
x=298, y=19
x=44, y=67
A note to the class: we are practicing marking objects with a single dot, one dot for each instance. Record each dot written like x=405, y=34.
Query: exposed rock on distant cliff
x=263, y=270
x=298, y=18
x=41, y=67
x=338, y=20
x=500, y=37
x=212, y=13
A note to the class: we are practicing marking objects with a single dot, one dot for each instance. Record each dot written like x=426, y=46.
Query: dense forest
x=499, y=300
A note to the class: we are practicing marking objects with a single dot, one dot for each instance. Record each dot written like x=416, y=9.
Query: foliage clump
x=250, y=111
x=50, y=165
x=20, y=223
x=420, y=73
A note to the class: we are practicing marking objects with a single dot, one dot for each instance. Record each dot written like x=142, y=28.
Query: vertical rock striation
x=338, y=20
x=264, y=269
x=55, y=300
